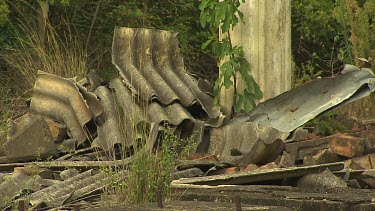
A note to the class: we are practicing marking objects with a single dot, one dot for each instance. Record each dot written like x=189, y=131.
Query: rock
x=325, y=156
x=325, y=180
x=284, y=160
x=33, y=140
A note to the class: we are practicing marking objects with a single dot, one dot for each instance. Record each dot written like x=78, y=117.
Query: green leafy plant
x=221, y=17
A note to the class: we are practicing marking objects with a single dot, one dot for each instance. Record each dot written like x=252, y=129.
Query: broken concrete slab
x=14, y=184
x=256, y=176
x=246, y=143
x=33, y=140
x=321, y=181
x=345, y=145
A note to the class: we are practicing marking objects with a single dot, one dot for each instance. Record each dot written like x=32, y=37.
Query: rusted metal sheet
x=292, y=109
x=61, y=100
x=150, y=64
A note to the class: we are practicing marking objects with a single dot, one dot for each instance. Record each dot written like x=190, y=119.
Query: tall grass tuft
x=35, y=49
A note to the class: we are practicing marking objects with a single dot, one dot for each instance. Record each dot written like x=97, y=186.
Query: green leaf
x=240, y=101
x=203, y=4
x=203, y=18
x=205, y=44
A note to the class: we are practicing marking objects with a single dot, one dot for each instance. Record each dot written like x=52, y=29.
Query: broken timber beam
x=62, y=165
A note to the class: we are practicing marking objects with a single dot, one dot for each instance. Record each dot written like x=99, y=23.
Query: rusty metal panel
x=61, y=100
x=150, y=63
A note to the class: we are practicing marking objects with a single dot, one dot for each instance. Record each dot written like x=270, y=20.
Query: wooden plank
x=257, y=176
x=62, y=165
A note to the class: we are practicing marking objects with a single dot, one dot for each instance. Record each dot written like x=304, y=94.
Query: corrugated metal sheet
x=153, y=88
x=292, y=109
x=150, y=63
x=62, y=100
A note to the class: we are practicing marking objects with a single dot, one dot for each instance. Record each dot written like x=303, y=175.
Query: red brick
x=250, y=167
x=345, y=145
x=271, y=165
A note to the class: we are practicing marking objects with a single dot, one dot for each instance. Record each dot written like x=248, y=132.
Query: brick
x=202, y=156
x=229, y=170
x=271, y=165
x=250, y=167
x=345, y=145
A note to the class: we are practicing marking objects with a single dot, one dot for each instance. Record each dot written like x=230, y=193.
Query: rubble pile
x=54, y=153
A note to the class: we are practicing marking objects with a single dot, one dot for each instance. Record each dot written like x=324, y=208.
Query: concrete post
x=266, y=39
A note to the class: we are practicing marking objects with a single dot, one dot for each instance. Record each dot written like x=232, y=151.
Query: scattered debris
x=72, y=129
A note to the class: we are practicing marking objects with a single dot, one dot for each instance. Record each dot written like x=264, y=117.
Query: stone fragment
x=365, y=161
x=284, y=160
x=325, y=156
x=325, y=180
x=345, y=145
x=58, y=131
x=33, y=140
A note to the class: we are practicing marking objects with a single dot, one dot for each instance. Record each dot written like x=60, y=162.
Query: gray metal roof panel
x=292, y=109
x=150, y=63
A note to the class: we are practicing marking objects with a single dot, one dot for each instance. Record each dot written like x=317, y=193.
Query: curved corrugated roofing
x=150, y=63
x=60, y=99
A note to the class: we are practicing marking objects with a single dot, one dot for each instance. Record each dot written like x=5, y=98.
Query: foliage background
x=325, y=34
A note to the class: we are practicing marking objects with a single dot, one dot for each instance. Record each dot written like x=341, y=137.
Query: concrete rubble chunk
x=58, y=130
x=14, y=184
x=346, y=145
x=323, y=180
x=284, y=160
x=33, y=140
x=365, y=161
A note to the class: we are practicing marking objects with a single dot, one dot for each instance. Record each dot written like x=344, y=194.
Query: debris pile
x=73, y=128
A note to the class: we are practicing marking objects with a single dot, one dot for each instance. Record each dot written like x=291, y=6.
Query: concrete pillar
x=266, y=39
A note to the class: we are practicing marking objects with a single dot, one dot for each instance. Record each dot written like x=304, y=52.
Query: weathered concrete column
x=266, y=39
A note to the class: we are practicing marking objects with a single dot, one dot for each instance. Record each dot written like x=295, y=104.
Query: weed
x=50, y=52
